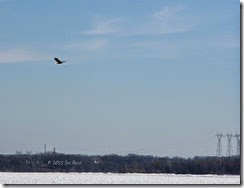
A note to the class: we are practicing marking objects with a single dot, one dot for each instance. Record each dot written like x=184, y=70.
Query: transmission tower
x=237, y=136
x=18, y=152
x=229, y=148
x=219, y=145
x=28, y=152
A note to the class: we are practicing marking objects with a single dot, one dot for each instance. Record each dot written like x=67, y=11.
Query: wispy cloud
x=172, y=20
x=168, y=13
x=20, y=55
x=168, y=20
x=104, y=27
x=88, y=45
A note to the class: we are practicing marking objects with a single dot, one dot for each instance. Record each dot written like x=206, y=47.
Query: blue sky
x=157, y=77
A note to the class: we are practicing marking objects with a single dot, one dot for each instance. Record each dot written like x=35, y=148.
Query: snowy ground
x=112, y=178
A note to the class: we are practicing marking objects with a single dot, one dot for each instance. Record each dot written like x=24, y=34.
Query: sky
x=157, y=77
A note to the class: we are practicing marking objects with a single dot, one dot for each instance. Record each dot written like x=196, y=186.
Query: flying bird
x=58, y=61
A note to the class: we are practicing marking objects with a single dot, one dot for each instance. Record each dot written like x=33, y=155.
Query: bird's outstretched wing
x=58, y=61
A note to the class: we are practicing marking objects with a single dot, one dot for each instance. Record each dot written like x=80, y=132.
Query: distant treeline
x=119, y=164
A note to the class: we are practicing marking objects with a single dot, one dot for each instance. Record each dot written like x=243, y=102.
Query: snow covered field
x=112, y=178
